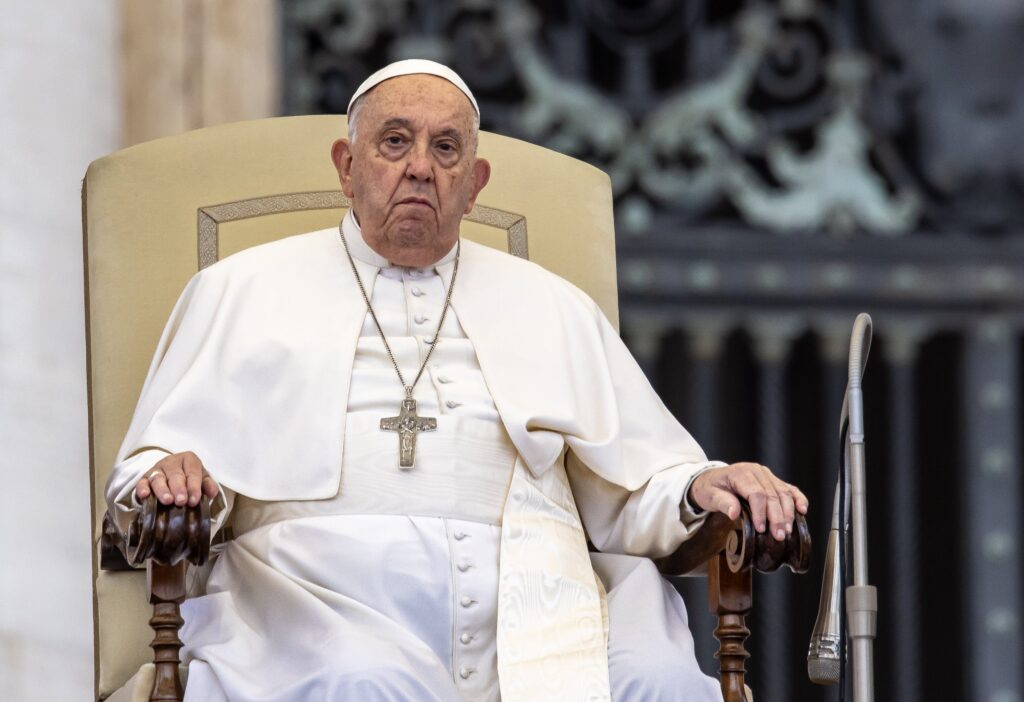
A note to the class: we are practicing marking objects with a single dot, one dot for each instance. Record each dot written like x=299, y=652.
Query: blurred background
x=778, y=166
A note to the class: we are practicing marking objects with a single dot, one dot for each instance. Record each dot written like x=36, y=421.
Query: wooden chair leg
x=730, y=598
x=167, y=592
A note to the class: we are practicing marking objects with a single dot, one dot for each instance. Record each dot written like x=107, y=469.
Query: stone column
x=706, y=342
x=992, y=503
x=60, y=92
x=776, y=643
x=196, y=63
x=903, y=340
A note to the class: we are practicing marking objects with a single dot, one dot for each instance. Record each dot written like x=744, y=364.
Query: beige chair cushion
x=123, y=630
x=153, y=212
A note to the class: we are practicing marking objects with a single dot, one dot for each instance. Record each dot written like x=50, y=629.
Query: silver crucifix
x=408, y=424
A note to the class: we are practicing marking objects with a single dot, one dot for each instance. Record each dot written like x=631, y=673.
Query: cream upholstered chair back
x=155, y=213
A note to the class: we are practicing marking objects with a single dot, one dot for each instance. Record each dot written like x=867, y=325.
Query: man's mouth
x=416, y=201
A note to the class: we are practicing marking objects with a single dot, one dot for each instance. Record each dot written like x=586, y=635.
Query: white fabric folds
x=257, y=359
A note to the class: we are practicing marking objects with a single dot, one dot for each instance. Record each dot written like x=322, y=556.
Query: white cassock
x=352, y=579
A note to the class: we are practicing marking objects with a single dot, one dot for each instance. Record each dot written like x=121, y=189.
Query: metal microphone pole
x=861, y=598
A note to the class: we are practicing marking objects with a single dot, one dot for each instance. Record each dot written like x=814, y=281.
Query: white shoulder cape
x=252, y=374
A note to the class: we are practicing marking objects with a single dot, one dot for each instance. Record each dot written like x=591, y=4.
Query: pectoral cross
x=408, y=424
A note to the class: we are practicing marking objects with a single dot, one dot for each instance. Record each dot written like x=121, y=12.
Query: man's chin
x=414, y=253
x=414, y=246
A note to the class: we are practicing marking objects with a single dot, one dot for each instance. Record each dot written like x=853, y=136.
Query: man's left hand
x=771, y=500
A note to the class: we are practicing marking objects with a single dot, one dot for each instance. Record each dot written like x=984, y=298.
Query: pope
x=412, y=464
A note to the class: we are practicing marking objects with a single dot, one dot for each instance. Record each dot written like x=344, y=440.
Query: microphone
x=827, y=650
x=823, y=654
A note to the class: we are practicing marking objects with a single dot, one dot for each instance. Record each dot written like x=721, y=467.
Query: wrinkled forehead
x=421, y=92
x=419, y=97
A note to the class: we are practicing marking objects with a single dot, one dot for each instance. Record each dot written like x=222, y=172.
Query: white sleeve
x=651, y=521
x=630, y=487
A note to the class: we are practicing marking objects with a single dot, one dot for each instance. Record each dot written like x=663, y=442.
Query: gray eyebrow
x=395, y=122
x=453, y=133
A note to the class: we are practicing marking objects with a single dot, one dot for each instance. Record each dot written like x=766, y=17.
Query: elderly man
x=411, y=433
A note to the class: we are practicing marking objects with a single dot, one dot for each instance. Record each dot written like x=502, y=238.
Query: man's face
x=413, y=172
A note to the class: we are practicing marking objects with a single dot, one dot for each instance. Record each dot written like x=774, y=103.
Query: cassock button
x=419, y=319
x=464, y=673
x=463, y=567
x=452, y=404
x=465, y=638
x=443, y=379
x=459, y=535
x=417, y=292
x=466, y=601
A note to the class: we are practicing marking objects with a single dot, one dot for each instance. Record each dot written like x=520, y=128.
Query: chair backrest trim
x=211, y=216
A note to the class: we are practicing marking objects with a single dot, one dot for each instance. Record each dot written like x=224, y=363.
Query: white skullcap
x=410, y=67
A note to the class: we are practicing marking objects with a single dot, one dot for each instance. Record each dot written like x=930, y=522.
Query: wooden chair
x=155, y=213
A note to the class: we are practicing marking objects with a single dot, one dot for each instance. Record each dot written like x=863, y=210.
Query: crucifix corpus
x=408, y=424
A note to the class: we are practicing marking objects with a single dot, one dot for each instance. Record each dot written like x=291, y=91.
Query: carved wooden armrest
x=164, y=538
x=732, y=549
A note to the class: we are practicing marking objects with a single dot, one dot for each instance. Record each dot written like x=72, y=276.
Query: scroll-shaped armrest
x=165, y=534
x=732, y=550
x=164, y=538
x=742, y=545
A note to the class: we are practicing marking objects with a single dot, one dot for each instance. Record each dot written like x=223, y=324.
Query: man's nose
x=419, y=166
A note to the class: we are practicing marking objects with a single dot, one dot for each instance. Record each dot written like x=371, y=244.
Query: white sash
x=552, y=611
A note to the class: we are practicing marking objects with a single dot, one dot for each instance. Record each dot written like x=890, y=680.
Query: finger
x=176, y=483
x=193, y=469
x=788, y=505
x=194, y=488
x=142, y=489
x=784, y=489
x=158, y=482
x=724, y=501
x=802, y=503
x=776, y=518
x=209, y=487
x=751, y=489
x=779, y=512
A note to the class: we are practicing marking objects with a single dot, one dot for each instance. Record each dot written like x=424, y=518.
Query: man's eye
x=393, y=140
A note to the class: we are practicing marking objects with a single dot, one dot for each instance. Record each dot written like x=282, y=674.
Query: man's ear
x=341, y=155
x=481, y=174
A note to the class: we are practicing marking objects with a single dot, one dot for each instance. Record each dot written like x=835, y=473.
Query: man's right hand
x=177, y=479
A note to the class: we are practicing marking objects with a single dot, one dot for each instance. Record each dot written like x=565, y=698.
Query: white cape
x=566, y=388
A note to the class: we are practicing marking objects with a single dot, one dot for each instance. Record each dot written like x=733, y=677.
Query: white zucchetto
x=410, y=67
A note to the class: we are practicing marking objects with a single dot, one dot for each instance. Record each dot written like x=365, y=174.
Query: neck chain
x=408, y=424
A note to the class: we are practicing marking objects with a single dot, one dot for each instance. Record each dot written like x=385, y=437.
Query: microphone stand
x=861, y=598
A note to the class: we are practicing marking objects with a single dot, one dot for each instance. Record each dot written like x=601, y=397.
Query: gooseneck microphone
x=826, y=656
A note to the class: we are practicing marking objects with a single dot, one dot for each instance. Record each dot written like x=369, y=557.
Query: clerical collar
x=362, y=252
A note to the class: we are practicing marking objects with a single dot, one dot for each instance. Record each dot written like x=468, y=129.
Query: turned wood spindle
x=167, y=592
x=730, y=598
x=166, y=538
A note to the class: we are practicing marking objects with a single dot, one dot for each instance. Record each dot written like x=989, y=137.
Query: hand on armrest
x=773, y=502
x=178, y=479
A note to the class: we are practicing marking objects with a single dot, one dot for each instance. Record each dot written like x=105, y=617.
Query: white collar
x=362, y=252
